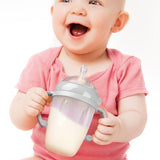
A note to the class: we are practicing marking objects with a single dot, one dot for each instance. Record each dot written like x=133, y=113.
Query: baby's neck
x=96, y=61
x=86, y=57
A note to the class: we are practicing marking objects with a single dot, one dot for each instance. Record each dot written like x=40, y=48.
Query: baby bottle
x=74, y=102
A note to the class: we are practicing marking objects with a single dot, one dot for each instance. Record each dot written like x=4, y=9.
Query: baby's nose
x=78, y=10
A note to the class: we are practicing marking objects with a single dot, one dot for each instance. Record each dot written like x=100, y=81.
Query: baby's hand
x=108, y=130
x=35, y=99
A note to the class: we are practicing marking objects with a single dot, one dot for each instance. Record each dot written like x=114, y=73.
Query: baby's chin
x=81, y=50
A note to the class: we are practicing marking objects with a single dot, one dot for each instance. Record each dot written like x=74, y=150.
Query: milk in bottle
x=61, y=131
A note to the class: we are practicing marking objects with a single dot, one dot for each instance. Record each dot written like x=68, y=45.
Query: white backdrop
x=25, y=29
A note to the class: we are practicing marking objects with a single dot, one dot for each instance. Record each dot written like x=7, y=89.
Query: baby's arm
x=26, y=106
x=129, y=123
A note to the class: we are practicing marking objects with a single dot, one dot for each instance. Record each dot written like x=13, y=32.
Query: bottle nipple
x=82, y=76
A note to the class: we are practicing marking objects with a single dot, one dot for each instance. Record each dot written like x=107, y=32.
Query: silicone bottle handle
x=88, y=138
x=42, y=122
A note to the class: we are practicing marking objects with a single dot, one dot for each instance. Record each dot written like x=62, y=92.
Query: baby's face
x=85, y=25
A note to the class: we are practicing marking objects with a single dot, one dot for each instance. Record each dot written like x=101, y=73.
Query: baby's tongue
x=78, y=30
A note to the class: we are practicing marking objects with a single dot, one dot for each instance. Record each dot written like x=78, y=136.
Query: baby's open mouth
x=77, y=29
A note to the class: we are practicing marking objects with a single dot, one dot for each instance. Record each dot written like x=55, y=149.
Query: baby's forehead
x=95, y=0
x=118, y=1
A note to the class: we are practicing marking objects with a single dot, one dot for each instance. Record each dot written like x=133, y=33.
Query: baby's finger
x=31, y=111
x=105, y=130
x=35, y=105
x=99, y=141
x=38, y=99
x=49, y=101
x=107, y=121
x=41, y=92
x=102, y=137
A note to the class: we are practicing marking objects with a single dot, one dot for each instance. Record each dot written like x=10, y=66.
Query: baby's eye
x=94, y=2
x=66, y=1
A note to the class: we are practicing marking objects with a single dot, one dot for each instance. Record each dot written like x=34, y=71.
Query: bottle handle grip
x=88, y=138
x=42, y=122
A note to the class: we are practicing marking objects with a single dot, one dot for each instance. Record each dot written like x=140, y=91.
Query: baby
x=84, y=27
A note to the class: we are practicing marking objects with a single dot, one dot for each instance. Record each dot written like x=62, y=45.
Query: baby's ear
x=52, y=9
x=120, y=22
